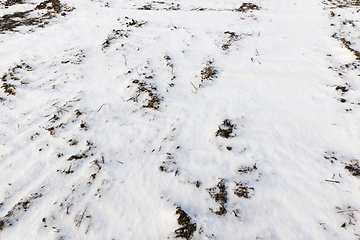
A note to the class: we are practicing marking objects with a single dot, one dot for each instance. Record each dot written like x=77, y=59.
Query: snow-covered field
x=135, y=119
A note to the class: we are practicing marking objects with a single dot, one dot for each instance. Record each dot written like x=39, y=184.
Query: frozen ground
x=208, y=119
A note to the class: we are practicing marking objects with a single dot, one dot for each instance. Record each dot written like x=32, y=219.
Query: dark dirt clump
x=187, y=230
x=226, y=129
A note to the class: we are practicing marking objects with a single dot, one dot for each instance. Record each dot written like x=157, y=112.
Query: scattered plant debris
x=76, y=59
x=135, y=23
x=171, y=65
x=12, y=2
x=219, y=193
x=77, y=157
x=354, y=168
x=341, y=3
x=73, y=142
x=226, y=129
x=348, y=213
x=247, y=169
x=330, y=156
x=13, y=215
x=231, y=37
x=78, y=113
x=201, y=9
x=14, y=75
x=245, y=7
x=242, y=190
x=348, y=45
x=10, y=22
x=116, y=34
x=169, y=166
x=33, y=136
x=187, y=230
x=146, y=92
x=157, y=5
x=54, y=118
x=342, y=89
x=84, y=126
x=208, y=73
x=9, y=89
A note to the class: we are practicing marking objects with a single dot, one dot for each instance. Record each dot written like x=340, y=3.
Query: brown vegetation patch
x=187, y=230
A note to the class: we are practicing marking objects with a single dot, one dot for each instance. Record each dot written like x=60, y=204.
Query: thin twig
x=334, y=181
x=54, y=105
x=353, y=210
x=101, y=107
x=194, y=87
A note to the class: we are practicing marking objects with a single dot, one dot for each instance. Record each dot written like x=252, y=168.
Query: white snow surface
x=81, y=159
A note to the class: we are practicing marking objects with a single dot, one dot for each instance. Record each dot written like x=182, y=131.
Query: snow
x=113, y=124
